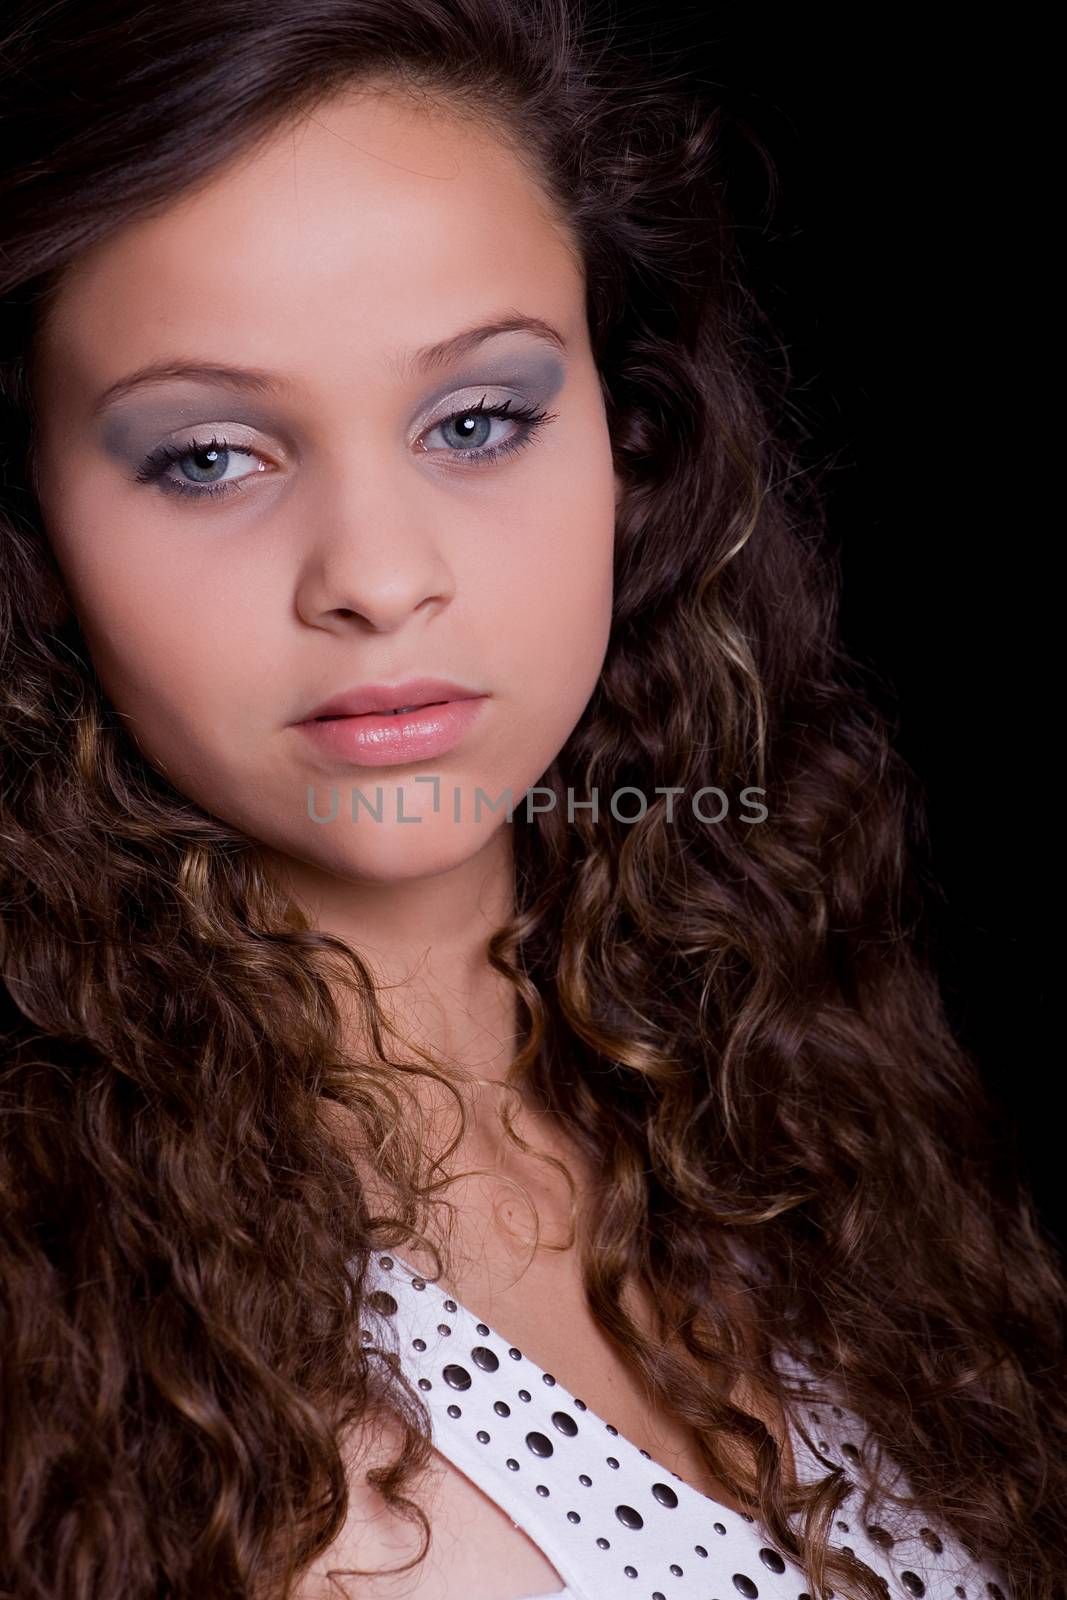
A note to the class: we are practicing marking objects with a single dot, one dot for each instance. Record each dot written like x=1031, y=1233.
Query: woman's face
x=361, y=532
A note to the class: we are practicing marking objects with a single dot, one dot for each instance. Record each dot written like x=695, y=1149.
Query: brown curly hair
x=740, y=1024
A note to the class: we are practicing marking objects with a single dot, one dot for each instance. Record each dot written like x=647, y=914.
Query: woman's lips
x=388, y=740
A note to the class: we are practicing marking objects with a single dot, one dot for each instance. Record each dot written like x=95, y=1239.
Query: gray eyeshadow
x=136, y=425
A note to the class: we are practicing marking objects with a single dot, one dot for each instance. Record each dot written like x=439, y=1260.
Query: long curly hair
x=740, y=1025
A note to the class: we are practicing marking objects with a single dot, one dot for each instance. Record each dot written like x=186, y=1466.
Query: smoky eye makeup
x=538, y=378
x=210, y=464
x=129, y=435
x=208, y=456
x=141, y=424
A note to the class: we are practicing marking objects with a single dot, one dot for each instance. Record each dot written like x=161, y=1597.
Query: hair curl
x=740, y=1024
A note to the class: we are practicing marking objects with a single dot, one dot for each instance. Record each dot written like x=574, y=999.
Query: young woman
x=476, y=1117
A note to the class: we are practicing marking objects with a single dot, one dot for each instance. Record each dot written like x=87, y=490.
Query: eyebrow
x=253, y=380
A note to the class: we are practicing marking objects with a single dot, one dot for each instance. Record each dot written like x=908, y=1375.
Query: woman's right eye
x=206, y=458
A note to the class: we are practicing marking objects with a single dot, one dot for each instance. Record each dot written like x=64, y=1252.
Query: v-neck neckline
x=593, y=1416
x=460, y=1433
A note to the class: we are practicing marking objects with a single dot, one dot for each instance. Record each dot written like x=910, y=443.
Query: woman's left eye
x=210, y=461
x=470, y=428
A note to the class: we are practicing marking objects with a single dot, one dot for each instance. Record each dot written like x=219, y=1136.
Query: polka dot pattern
x=611, y=1520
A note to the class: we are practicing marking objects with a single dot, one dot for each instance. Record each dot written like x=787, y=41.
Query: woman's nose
x=375, y=556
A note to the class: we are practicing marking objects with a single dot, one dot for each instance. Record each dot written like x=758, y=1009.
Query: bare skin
x=535, y=1299
x=355, y=543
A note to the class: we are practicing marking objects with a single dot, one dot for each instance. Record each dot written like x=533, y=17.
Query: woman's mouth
x=399, y=711
x=392, y=738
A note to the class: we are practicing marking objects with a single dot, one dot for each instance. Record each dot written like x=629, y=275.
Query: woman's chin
x=392, y=852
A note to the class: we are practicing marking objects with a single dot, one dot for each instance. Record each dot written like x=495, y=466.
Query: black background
x=899, y=262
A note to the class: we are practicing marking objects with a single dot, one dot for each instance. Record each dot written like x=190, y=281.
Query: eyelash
x=156, y=464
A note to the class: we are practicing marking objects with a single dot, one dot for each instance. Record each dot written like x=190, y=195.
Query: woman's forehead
x=368, y=232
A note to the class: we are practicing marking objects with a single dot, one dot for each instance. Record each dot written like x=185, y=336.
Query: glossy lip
x=386, y=697
x=371, y=740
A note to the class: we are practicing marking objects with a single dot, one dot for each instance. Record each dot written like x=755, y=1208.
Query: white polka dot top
x=613, y=1523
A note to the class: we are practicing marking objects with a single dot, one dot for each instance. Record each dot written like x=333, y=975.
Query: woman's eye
x=198, y=469
x=467, y=433
x=213, y=467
